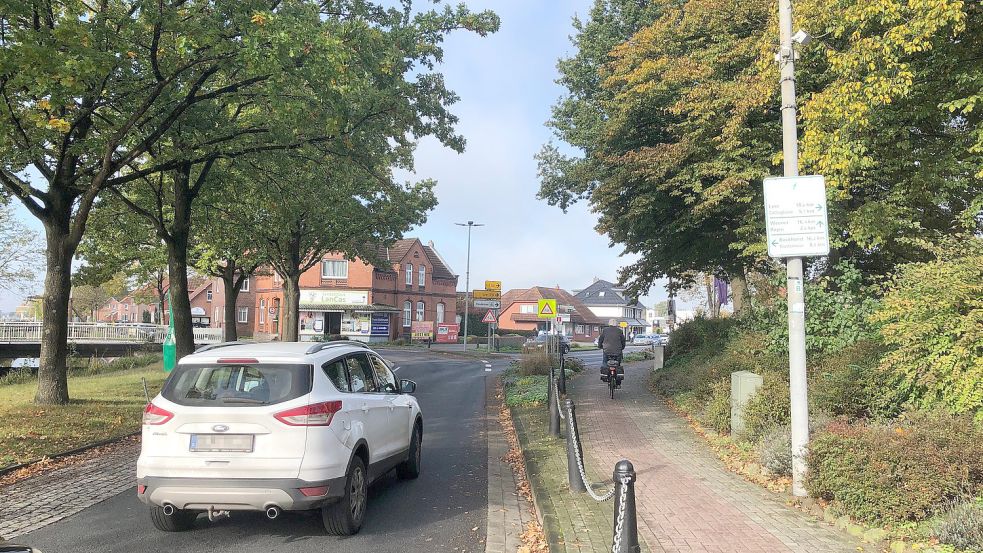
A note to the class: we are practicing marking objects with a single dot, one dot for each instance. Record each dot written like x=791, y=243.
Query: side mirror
x=407, y=386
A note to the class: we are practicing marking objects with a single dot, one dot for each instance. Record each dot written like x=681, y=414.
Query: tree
x=87, y=299
x=19, y=253
x=348, y=77
x=297, y=210
x=92, y=94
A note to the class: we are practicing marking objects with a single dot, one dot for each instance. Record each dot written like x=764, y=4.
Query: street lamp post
x=467, y=280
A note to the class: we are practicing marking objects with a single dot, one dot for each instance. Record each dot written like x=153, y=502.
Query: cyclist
x=612, y=342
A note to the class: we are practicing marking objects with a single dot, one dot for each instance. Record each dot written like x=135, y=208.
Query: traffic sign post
x=795, y=216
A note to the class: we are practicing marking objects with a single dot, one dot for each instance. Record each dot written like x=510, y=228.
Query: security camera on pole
x=795, y=213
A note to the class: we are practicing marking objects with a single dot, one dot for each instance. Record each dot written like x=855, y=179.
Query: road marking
x=487, y=369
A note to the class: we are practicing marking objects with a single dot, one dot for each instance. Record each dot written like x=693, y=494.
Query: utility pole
x=794, y=284
x=467, y=280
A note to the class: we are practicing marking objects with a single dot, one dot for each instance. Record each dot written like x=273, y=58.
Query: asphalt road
x=443, y=510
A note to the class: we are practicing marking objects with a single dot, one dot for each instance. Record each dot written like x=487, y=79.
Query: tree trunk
x=53, y=365
x=177, y=262
x=739, y=289
x=291, y=311
x=232, y=286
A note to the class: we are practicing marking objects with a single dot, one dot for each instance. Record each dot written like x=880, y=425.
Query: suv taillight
x=316, y=414
x=154, y=415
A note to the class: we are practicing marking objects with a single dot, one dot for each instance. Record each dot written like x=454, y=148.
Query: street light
x=467, y=280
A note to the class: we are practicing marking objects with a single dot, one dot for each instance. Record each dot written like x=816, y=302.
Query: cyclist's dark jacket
x=612, y=340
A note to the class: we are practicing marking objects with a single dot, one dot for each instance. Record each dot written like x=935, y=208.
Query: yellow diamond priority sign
x=546, y=309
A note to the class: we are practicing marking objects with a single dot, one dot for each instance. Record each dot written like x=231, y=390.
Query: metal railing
x=19, y=332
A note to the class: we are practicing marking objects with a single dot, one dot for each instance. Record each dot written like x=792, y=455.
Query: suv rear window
x=237, y=385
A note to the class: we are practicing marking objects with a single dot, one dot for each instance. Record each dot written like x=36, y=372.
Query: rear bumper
x=239, y=494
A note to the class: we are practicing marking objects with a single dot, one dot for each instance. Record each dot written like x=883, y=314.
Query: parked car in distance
x=274, y=427
x=539, y=341
x=642, y=340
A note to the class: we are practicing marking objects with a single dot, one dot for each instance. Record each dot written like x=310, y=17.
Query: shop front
x=344, y=313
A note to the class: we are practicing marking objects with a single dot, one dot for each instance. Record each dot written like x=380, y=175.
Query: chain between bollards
x=574, y=452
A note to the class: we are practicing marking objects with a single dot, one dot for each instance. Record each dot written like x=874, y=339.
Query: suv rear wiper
x=243, y=400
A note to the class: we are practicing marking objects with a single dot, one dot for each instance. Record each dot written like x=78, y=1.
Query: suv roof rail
x=208, y=347
x=320, y=346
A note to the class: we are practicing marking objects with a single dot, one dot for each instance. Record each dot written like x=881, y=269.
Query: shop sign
x=422, y=330
x=380, y=324
x=334, y=297
x=447, y=333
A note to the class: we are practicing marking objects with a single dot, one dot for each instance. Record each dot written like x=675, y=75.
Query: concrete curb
x=553, y=534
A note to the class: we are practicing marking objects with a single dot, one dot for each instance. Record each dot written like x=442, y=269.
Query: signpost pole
x=796, y=296
x=467, y=280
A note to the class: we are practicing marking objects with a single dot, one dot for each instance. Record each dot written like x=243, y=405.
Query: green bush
x=906, y=472
x=96, y=365
x=962, y=526
x=838, y=313
x=932, y=318
x=18, y=376
x=775, y=447
x=848, y=382
x=716, y=411
x=699, y=333
x=526, y=390
x=573, y=364
x=768, y=408
x=535, y=362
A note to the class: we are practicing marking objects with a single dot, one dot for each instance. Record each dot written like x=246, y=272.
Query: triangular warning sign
x=489, y=317
x=547, y=310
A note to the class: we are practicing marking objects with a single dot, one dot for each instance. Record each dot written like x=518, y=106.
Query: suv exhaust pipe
x=272, y=512
x=168, y=509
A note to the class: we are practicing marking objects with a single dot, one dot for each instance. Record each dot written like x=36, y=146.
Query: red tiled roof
x=579, y=313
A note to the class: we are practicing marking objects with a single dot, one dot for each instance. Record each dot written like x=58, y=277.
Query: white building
x=607, y=301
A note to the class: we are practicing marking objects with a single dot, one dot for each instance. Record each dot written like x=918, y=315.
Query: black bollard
x=574, y=451
x=563, y=374
x=554, y=410
x=627, y=540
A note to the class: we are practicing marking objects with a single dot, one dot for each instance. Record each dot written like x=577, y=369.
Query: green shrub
x=962, y=526
x=526, y=390
x=848, y=382
x=768, y=408
x=573, y=364
x=775, y=447
x=932, y=317
x=839, y=309
x=897, y=473
x=18, y=376
x=698, y=333
x=95, y=365
x=716, y=411
x=643, y=355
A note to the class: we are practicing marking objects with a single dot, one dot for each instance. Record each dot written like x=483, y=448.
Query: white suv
x=276, y=426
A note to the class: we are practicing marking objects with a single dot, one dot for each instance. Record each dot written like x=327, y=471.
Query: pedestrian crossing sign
x=489, y=317
x=546, y=309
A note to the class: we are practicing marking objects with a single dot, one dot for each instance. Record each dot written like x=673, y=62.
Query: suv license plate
x=222, y=442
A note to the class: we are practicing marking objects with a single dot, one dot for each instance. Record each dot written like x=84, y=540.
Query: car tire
x=410, y=468
x=179, y=521
x=344, y=517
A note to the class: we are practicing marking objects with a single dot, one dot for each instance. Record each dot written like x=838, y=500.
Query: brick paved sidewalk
x=686, y=499
x=53, y=495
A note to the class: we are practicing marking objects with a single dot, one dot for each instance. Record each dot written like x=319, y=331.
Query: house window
x=126, y=318
x=407, y=313
x=334, y=269
x=245, y=285
x=262, y=311
x=580, y=329
x=527, y=308
x=440, y=312
x=243, y=315
x=208, y=295
x=126, y=307
x=423, y=276
x=420, y=309
x=409, y=273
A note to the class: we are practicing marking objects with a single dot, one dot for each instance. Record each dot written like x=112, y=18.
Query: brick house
x=362, y=301
x=123, y=310
x=519, y=312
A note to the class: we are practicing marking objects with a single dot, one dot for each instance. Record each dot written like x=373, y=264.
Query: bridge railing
x=14, y=332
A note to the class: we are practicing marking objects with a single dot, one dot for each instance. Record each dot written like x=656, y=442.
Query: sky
x=506, y=84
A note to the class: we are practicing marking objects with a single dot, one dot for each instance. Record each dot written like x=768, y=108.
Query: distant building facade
x=520, y=312
x=607, y=301
x=361, y=301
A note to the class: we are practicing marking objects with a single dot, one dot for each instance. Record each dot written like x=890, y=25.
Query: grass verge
x=103, y=406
